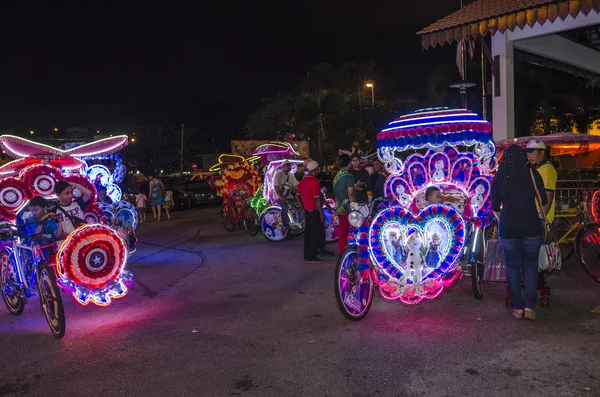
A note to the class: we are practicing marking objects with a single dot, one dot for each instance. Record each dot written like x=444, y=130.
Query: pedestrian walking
x=168, y=201
x=308, y=195
x=156, y=192
x=519, y=228
x=140, y=203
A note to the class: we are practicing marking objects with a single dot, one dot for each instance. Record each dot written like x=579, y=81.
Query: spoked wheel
x=13, y=300
x=299, y=221
x=354, y=295
x=559, y=228
x=228, y=216
x=588, y=249
x=271, y=226
x=50, y=299
x=477, y=269
x=251, y=221
x=332, y=225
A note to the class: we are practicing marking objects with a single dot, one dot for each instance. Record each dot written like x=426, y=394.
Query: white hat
x=535, y=144
x=286, y=162
x=312, y=165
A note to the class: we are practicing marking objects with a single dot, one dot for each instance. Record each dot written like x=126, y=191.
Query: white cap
x=312, y=165
x=536, y=144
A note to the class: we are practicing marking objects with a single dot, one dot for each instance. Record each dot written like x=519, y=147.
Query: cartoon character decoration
x=91, y=261
x=442, y=148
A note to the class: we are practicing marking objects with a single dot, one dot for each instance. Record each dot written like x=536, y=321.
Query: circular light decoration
x=412, y=246
x=114, y=192
x=12, y=194
x=83, y=181
x=41, y=179
x=92, y=256
x=99, y=175
x=94, y=213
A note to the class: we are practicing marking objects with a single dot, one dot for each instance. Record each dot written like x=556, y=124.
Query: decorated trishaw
x=407, y=247
x=273, y=155
x=237, y=183
x=90, y=262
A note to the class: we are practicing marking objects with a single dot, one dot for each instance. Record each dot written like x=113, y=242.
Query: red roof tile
x=483, y=9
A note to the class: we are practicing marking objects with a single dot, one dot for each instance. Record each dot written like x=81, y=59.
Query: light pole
x=181, y=152
x=371, y=85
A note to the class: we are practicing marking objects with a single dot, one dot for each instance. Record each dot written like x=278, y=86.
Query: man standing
x=309, y=199
x=285, y=184
x=343, y=191
x=361, y=178
x=538, y=155
x=378, y=180
x=300, y=171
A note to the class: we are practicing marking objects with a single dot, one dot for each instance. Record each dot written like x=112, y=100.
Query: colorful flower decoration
x=239, y=179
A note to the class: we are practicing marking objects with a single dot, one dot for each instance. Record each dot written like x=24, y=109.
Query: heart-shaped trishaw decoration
x=412, y=253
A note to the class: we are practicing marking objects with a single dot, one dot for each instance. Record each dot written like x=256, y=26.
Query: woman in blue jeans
x=520, y=227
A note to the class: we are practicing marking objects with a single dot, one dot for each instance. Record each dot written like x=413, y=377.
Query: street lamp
x=372, y=87
x=55, y=129
x=132, y=140
x=31, y=132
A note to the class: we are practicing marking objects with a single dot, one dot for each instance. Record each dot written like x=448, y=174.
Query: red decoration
x=92, y=255
x=93, y=214
x=12, y=194
x=40, y=179
x=85, y=182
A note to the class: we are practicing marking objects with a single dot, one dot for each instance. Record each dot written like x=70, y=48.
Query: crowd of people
x=353, y=186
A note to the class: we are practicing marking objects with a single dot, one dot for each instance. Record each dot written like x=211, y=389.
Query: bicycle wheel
x=588, y=249
x=270, y=225
x=8, y=281
x=50, y=299
x=559, y=228
x=228, y=216
x=299, y=221
x=251, y=220
x=353, y=294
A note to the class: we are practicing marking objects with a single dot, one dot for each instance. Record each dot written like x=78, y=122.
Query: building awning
x=489, y=16
x=563, y=143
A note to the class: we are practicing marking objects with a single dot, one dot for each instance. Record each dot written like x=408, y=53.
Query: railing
x=569, y=193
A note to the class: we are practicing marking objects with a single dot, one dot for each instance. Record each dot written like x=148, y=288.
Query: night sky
x=112, y=68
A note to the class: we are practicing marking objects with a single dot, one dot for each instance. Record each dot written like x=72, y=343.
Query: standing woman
x=520, y=227
x=156, y=193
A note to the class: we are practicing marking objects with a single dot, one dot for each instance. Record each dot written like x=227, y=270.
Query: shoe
x=325, y=252
x=517, y=314
x=314, y=260
x=529, y=314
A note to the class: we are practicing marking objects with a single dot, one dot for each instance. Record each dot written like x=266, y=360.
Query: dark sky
x=109, y=68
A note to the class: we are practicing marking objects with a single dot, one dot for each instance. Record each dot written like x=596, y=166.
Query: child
x=433, y=195
x=103, y=196
x=69, y=212
x=168, y=201
x=41, y=227
x=140, y=203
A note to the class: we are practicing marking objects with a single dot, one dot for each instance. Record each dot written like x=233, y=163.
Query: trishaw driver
x=538, y=155
x=285, y=186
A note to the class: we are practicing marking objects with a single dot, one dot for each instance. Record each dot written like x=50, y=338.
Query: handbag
x=546, y=227
x=494, y=265
x=550, y=257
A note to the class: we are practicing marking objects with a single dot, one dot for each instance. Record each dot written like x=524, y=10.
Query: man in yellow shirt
x=538, y=155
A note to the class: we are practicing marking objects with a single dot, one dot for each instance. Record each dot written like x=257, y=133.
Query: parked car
x=199, y=191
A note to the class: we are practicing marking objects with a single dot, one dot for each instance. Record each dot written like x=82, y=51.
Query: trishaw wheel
x=298, y=218
x=8, y=281
x=251, y=221
x=50, y=299
x=228, y=216
x=270, y=225
x=477, y=283
x=588, y=249
x=354, y=295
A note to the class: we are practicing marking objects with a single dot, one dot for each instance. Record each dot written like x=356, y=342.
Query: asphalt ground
x=214, y=313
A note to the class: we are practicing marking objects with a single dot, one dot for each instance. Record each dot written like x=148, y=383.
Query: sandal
x=530, y=314
x=517, y=314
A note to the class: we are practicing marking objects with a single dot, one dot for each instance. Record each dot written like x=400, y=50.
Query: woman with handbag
x=521, y=230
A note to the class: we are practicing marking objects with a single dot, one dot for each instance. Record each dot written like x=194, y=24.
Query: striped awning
x=489, y=16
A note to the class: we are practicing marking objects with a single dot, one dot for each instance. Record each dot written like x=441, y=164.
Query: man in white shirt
x=69, y=212
x=285, y=187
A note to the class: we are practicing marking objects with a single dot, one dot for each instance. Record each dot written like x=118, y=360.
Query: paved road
x=225, y=314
